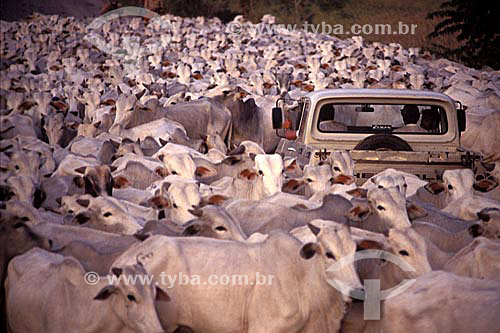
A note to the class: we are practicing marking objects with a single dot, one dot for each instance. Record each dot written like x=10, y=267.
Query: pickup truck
x=413, y=131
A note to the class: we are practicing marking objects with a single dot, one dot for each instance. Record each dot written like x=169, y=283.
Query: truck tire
x=385, y=142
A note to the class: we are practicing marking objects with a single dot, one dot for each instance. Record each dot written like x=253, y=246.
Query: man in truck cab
x=411, y=116
x=431, y=119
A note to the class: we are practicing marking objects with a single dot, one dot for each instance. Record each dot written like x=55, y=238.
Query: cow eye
x=283, y=171
x=336, y=169
x=17, y=167
x=380, y=207
x=221, y=228
x=450, y=187
x=174, y=172
x=404, y=253
x=309, y=180
x=261, y=173
x=174, y=205
x=107, y=214
x=405, y=185
x=380, y=186
x=330, y=255
x=131, y=297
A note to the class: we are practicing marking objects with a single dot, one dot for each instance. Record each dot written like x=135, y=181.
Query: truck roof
x=377, y=93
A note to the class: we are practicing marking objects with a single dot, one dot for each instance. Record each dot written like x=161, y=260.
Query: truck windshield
x=377, y=118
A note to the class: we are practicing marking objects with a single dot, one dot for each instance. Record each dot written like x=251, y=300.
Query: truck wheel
x=383, y=142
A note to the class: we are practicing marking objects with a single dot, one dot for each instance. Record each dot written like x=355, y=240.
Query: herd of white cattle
x=169, y=168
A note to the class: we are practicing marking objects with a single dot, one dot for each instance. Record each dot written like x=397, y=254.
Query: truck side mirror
x=277, y=118
x=461, y=120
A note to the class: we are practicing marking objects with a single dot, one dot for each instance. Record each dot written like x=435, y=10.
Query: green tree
x=475, y=24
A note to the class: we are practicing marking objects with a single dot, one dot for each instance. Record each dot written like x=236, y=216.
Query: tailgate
x=425, y=165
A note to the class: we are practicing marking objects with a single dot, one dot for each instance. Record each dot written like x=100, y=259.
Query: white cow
x=383, y=209
x=480, y=259
x=282, y=259
x=408, y=184
x=263, y=181
x=180, y=164
x=435, y=303
x=45, y=292
x=176, y=196
x=455, y=195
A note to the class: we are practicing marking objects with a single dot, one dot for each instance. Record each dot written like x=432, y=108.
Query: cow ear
x=300, y=207
x=162, y=172
x=105, y=292
x=483, y=215
x=79, y=181
x=205, y=172
x=114, y=143
x=368, y=244
x=80, y=170
x=160, y=201
x=192, y=230
x=231, y=160
x=10, y=146
x=247, y=174
x=414, y=211
x=309, y=250
x=161, y=295
x=215, y=199
x=82, y=218
x=291, y=165
x=140, y=94
x=485, y=185
x=83, y=202
x=117, y=271
x=120, y=182
x=359, y=212
x=344, y=179
x=314, y=229
x=196, y=212
x=55, y=246
x=19, y=224
x=141, y=237
x=112, y=168
x=358, y=192
x=237, y=151
x=293, y=185
x=435, y=187
x=476, y=230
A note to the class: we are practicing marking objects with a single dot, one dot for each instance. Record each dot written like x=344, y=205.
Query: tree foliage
x=475, y=25
x=296, y=11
